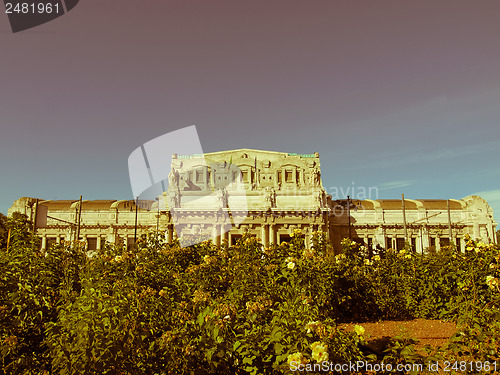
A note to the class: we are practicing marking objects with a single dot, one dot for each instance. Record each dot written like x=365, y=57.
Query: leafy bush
x=162, y=308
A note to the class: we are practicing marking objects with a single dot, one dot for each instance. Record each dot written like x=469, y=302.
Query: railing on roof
x=302, y=155
x=190, y=156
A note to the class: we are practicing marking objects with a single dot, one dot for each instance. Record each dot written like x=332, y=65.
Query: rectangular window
x=130, y=243
x=51, y=241
x=91, y=243
x=432, y=241
x=414, y=244
x=459, y=246
x=444, y=241
x=400, y=243
x=280, y=177
x=245, y=176
x=288, y=176
x=285, y=238
x=388, y=243
x=199, y=176
x=235, y=238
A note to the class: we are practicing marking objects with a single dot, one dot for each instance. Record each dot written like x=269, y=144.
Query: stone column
x=327, y=226
x=215, y=234
x=308, y=237
x=418, y=242
x=476, y=232
x=225, y=232
x=111, y=236
x=425, y=237
x=99, y=242
x=264, y=236
x=380, y=237
x=44, y=242
x=170, y=233
x=272, y=234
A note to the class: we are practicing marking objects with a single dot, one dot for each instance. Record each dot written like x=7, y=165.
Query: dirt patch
x=433, y=332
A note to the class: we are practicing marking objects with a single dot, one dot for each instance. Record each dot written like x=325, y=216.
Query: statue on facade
x=222, y=197
x=315, y=177
x=174, y=199
x=320, y=198
x=270, y=197
x=173, y=178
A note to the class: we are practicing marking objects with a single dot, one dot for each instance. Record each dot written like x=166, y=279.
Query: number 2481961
x=27, y=8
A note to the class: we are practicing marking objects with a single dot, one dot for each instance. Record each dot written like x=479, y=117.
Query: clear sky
x=399, y=95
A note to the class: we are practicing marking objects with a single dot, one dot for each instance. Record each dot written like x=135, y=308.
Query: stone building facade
x=223, y=195
x=423, y=223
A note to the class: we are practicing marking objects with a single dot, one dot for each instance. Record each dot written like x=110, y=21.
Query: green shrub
x=161, y=308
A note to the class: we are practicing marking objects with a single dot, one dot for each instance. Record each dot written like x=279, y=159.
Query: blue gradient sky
x=403, y=96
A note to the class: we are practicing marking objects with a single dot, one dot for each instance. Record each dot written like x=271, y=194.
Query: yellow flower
x=376, y=258
x=408, y=256
x=368, y=262
x=492, y=282
x=297, y=359
x=313, y=326
x=319, y=351
x=291, y=265
x=360, y=331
